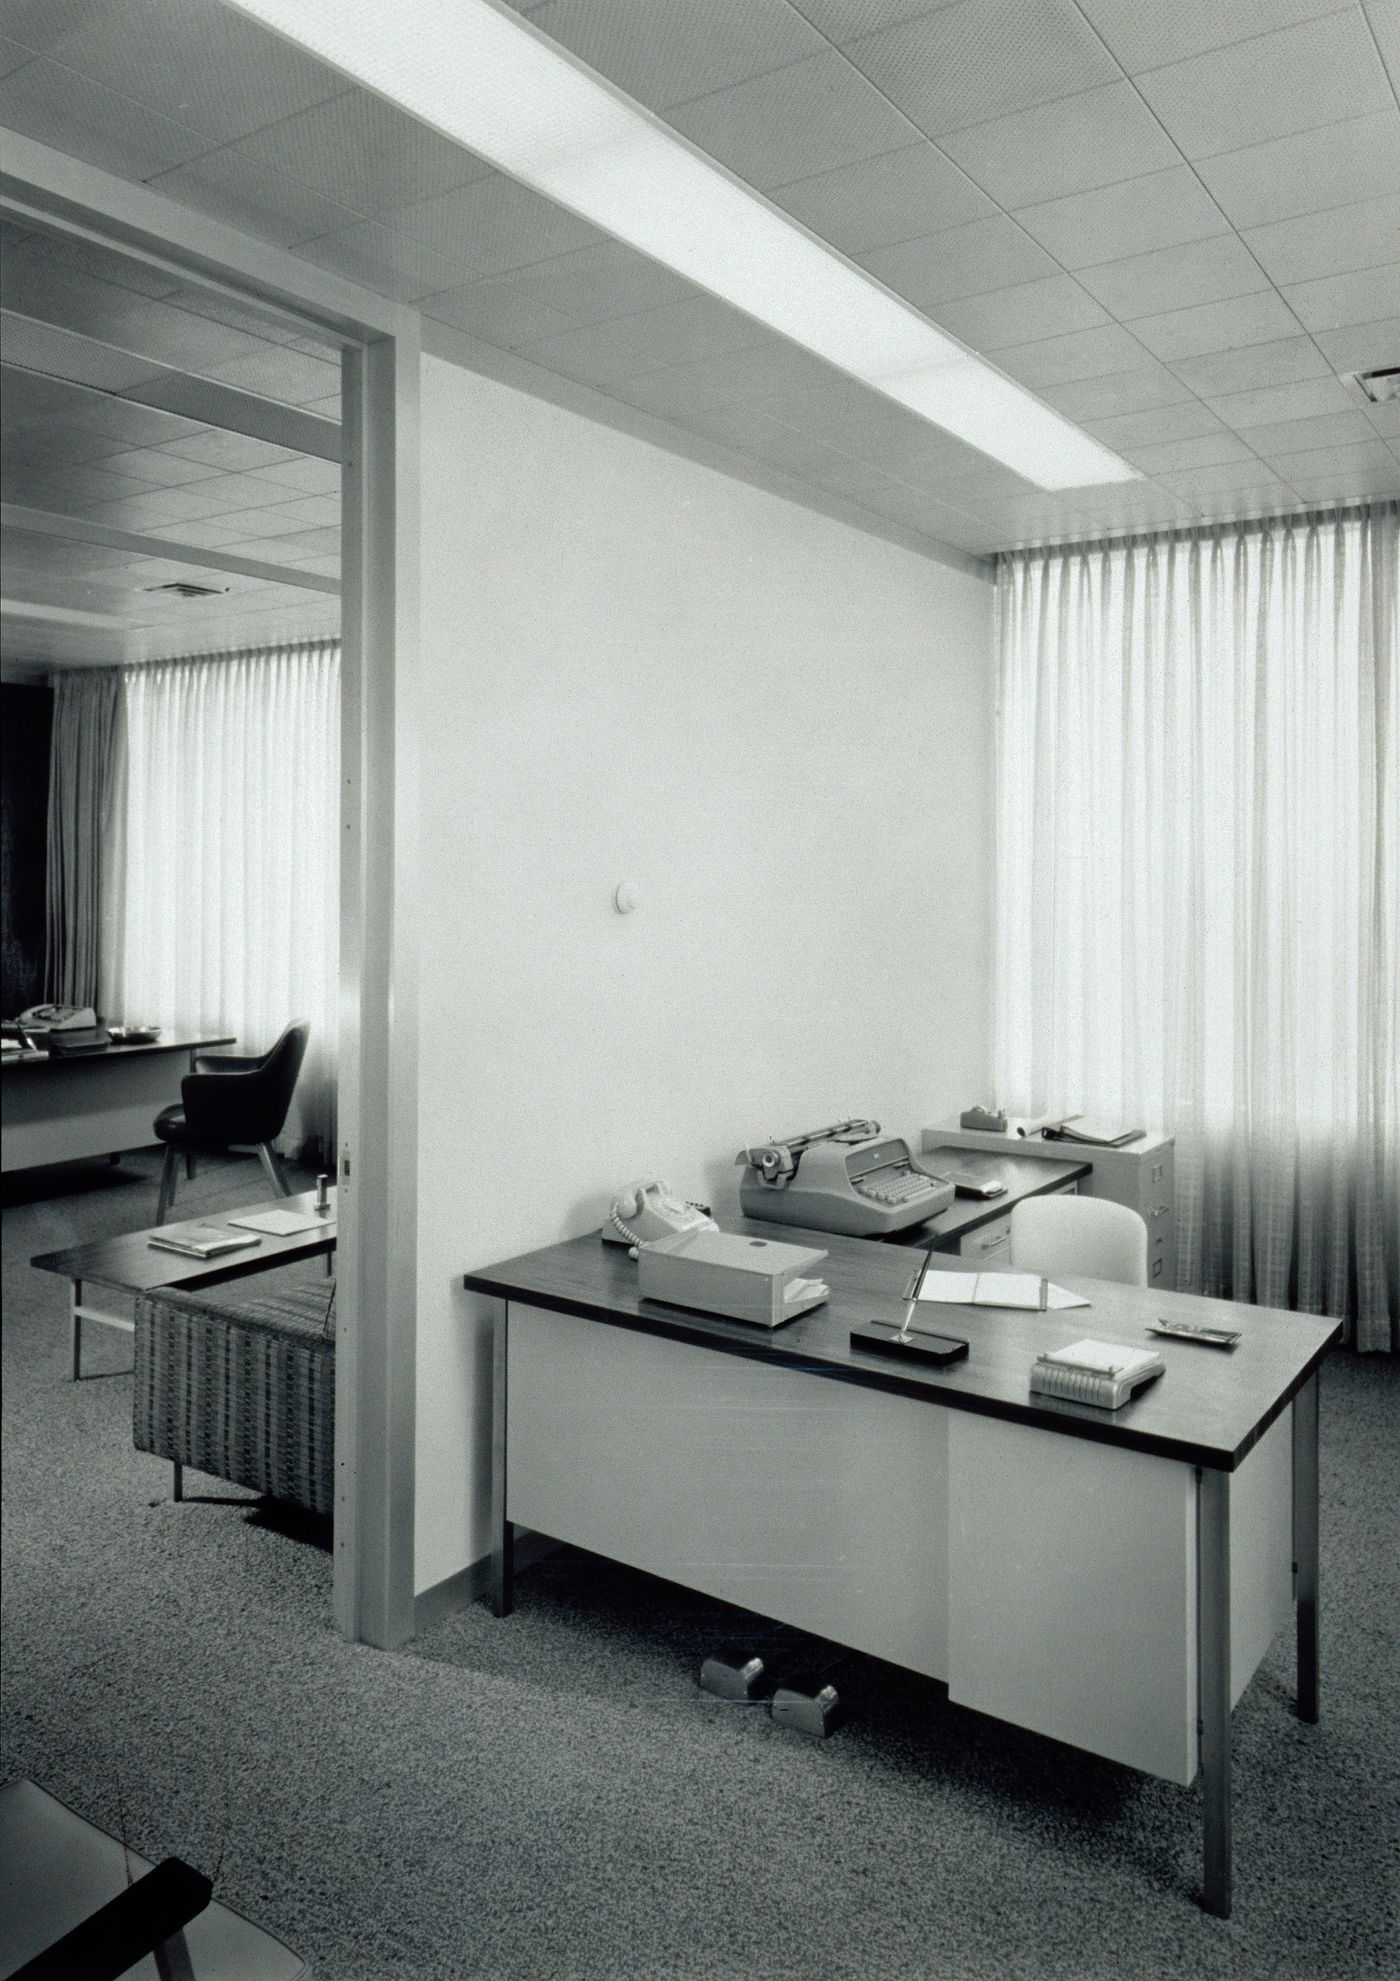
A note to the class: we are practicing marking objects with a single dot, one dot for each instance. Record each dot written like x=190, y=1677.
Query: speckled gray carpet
x=551, y=1799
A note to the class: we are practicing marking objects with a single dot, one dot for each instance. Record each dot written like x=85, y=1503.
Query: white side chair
x=1079, y=1235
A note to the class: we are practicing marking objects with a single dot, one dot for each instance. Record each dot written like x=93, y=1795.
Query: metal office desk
x=1111, y=1579
x=93, y=1104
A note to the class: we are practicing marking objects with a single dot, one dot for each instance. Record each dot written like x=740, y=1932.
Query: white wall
x=780, y=728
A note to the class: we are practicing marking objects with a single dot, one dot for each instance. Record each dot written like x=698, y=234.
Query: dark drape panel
x=83, y=771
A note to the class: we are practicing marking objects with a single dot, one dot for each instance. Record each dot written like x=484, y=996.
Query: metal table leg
x=502, y=1533
x=1213, y=1680
x=75, y=1329
x=1305, y=1526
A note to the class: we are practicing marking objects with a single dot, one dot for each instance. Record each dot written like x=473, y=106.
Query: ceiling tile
x=843, y=413
x=1148, y=385
x=271, y=206
x=1135, y=216
x=594, y=354
x=1332, y=243
x=755, y=433
x=673, y=50
x=179, y=58
x=13, y=55
x=1338, y=300
x=306, y=473
x=294, y=377
x=492, y=310
x=845, y=20
x=1082, y=354
x=160, y=330
x=155, y=467
x=983, y=59
x=100, y=484
x=1308, y=171
x=1361, y=346
x=1183, y=422
x=1247, y=480
x=1203, y=450
x=902, y=195
x=1069, y=146
x=233, y=453
x=1279, y=363
x=60, y=108
x=1187, y=333
x=798, y=121
x=364, y=153
x=1385, y=419
x=1305, y=398
x=1146, y=37
x=490, y=226
x=592, y=285
x=1325, y=470
x=393, y=264
x=1013, y=316
x=680, y=333
x=1295, y=80
x=774, y=372
x=1282, y=437
x=961, y=261
x=1385, y=26
x=1196, y=272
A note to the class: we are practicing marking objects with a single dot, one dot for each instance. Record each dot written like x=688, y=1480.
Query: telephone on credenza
x=57, y=1018
x=647, y=1211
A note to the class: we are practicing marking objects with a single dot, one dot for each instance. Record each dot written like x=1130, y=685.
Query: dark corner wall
x=24, y=799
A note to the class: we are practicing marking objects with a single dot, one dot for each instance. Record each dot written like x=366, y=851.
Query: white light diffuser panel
x=489, y=82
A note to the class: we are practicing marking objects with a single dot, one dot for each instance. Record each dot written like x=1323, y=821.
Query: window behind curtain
x=1199, y=885
x=228, y=917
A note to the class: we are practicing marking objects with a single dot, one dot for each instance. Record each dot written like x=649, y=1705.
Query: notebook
x=201, y=1241
x=284, y=1224
x=1026, y=1290
x=1097, y=1372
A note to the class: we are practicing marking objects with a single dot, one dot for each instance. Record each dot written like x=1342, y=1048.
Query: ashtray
x=134, y=1035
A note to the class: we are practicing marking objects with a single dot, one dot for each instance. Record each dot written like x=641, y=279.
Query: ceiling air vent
x=182, y=590
x=1382, y=385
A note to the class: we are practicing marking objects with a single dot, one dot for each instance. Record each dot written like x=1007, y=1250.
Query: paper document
x=284, y=1224
x=1025, y=1290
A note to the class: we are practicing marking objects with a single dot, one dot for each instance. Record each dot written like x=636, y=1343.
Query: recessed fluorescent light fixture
x=490, y=82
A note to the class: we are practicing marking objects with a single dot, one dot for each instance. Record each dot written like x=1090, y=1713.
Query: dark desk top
x=133, y=1265
x=1210, y=1408
x=175, y=1042
x=1024, y=1176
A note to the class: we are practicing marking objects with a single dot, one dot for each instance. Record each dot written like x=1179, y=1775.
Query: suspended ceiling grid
x=109, y=492
x=1180, y=225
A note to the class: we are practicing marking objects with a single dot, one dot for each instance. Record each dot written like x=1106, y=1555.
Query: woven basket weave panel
x=243, y=1404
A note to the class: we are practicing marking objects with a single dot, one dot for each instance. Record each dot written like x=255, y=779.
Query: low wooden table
x=58, y=1869
x=131, y=1264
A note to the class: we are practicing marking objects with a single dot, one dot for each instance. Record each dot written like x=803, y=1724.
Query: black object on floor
x=110, y=1941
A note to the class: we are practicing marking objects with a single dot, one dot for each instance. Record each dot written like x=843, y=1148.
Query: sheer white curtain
x=1198, y=921
x=230, y=916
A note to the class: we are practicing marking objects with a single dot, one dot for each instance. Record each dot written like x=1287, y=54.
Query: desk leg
x=502, y=1535
x=1213, y=1679
x=1305, y=1525
x=75, y=1329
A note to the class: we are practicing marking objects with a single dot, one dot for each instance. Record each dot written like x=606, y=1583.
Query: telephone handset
x=647, y=1211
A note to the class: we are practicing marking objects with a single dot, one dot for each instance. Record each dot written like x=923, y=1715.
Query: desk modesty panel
x=91, y=1104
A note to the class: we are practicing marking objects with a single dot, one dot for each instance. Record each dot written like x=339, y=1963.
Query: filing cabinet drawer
x=989, y=1241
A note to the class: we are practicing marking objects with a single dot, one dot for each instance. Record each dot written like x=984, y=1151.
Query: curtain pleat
x=230, y=916
x=1198, y=897
x=85, y=750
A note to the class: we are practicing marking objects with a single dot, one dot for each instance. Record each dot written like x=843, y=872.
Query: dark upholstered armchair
x=241, y=1386
x=230, y=1102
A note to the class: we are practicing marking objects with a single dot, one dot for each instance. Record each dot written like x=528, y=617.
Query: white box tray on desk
x=722, y=1272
